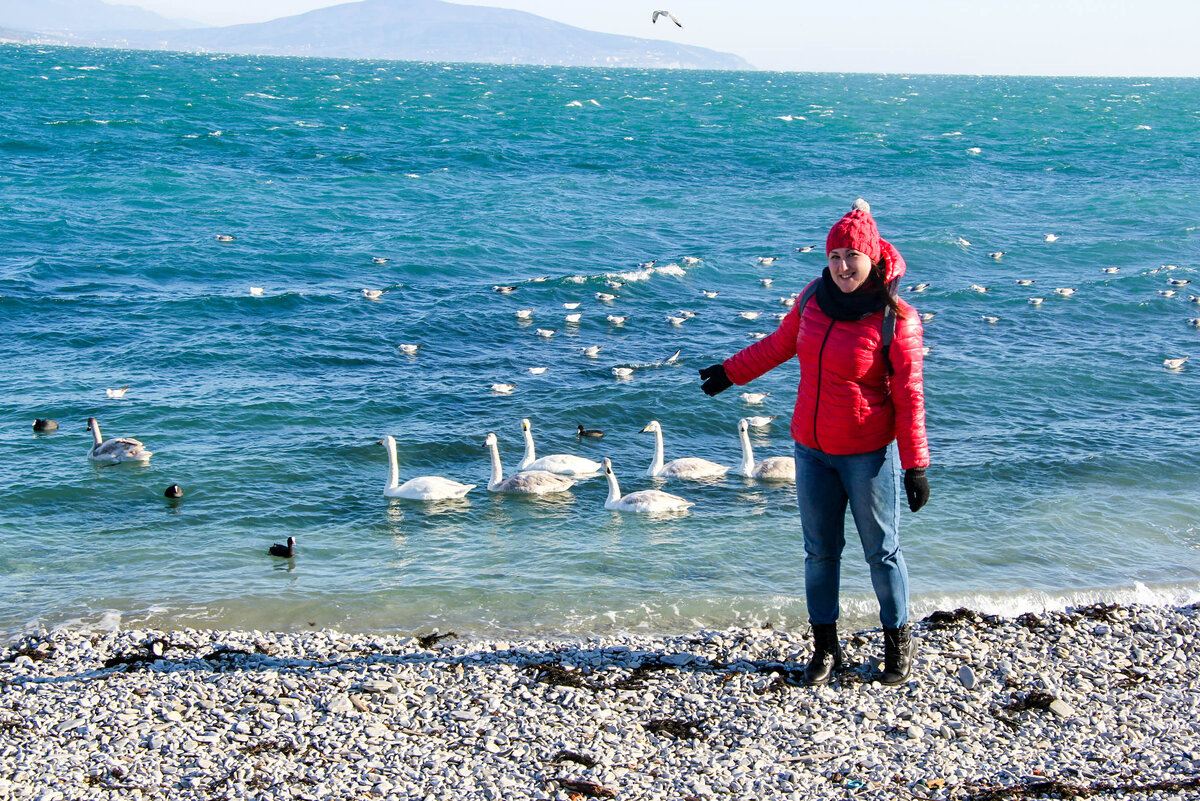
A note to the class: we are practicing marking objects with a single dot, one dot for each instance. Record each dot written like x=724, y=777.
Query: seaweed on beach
x=590, y=789
x=36, y=654
x=430, y=640
x=1034, y=699
x=558, y=675
x=1030, y=621
x=959, y=617
x=679, y=729
x=571, y=756
x=272, y=748
x=1132, y=678
x=1053, y=788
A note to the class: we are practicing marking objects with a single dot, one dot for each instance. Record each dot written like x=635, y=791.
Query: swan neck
x=614, y=491
x=530, y=454
x=656, y=465
x=393, y=466
x=497, y=470
x=747, y=466
x=96, y=438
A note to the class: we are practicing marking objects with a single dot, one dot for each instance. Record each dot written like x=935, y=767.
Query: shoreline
x=1091, y=698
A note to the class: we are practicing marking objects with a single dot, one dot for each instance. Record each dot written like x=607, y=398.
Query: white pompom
x=861, y=205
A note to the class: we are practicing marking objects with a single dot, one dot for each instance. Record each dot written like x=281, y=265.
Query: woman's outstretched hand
x=916, y=487
x=715, y=380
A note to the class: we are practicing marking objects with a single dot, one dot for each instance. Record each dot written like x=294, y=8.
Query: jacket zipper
x=817, y=402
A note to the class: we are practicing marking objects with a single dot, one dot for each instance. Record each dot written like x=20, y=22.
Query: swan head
x=525, y=424
x=490, y=440
x=743, y=426
x=91, y=423
x=651, y=427
x=607, y=466
x=388, y=441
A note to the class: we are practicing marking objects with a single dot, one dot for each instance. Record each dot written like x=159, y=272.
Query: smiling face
x=850, y=269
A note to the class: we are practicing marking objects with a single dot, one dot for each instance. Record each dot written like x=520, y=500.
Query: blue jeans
x=870, y=484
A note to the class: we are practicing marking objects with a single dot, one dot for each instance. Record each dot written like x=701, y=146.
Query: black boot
x=898, y=651
x=827, y=654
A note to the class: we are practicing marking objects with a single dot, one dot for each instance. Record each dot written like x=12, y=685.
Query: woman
x=857, y=402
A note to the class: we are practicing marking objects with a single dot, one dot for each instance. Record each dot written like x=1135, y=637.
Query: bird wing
x=673, y=19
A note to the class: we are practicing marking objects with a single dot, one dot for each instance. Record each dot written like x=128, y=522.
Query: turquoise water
x=1065, y=464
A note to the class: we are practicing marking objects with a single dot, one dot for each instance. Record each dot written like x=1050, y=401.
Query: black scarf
x=861, y=303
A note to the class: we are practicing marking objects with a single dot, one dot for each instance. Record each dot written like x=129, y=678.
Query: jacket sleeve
x=767, y=353
x=908, y=390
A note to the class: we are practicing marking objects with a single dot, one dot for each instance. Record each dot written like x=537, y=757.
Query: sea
x=1065, y=453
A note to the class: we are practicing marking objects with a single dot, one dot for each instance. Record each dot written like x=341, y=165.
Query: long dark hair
x=888, y=291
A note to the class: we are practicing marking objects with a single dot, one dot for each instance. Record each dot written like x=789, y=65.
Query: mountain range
x=405, y=30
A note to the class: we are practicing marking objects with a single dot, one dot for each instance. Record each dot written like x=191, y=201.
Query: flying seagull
x=654, y=17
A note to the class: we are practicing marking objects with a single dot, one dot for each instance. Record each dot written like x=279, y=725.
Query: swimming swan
x=691, y=467
x=774, y=468
x=560, y=463
x=422, y=488
x=535, y=482
x=641, y=501
x=117, y=449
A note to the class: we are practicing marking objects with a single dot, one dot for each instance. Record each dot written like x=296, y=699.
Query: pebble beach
x=1098, y=700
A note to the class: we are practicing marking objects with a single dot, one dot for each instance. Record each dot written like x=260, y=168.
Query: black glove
x=916, y=487
x=715, y=380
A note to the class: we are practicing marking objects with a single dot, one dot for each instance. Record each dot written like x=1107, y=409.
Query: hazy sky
x=1039, y=37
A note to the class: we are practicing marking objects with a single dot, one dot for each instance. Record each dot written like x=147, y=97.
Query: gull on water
x=675, y=320
x=224, y=238
x=760, y=421
x=963, y=242
x=685, y=313
x=998, y=255
x=575, y=317
x=373, y=294
x=927, y=316
x=1193, y=298
x=1111, y=270
x=1194, y=322
x=591, y=351
x=617, y=319
x=654, y=17
x=1051, y=237
x=545, y=332
x=622, y=372
x=758, y=335
x=1066, y=292
x=925, y=350
x=646, y=265
x=256, y=290
x=987, y=318
x=504, y=290
x=754, y=398
x=806, y=249
x=1175, y=364
x=572, y=306
x=1036, y=301
x=116, y=393
x=1179, y=281
x=767, y=260
x=1167, y=293
x=380, y=260
x=691, y=261
x=788, y=301
x=708, y=293
x=524, y=314
x=765, y=281
x=614, y=284
x=605, y=296
x=503, y=389
x=977, y=288
x=1025, y=282
x=750, y=315
x=408, y=350
x=919, y=287
x=537, y=370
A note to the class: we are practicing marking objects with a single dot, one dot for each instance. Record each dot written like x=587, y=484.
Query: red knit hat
x=856, y=230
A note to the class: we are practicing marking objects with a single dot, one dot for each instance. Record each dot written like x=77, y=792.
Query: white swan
x=422, y=488
x=643, y=500
x=691, y=467
x=117, y=449
x=535, y=482
x=773, y=468
x=560, y=463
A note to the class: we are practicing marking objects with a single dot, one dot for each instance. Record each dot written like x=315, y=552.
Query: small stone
x=678, y=660
x=915, y=732
x=966, y=677
x=1062, y=708
x=339, y=704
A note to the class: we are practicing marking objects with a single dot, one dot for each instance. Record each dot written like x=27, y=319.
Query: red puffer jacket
x=847, y=403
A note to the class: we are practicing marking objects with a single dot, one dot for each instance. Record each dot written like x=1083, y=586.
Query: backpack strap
x=887, y=328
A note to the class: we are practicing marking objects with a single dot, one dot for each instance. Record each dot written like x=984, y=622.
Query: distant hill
x=76, y=16
x=418, y=30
